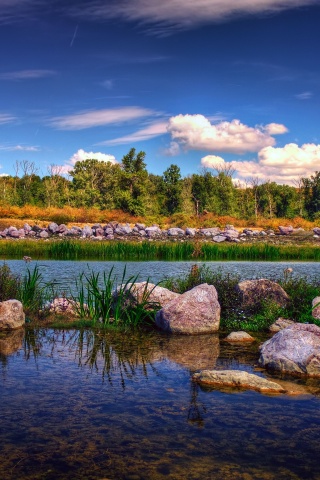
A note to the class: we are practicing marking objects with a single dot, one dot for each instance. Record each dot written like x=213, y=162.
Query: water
x=66, y=272
x=85, y=405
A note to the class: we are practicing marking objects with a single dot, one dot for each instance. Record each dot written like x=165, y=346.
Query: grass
x=156, y=250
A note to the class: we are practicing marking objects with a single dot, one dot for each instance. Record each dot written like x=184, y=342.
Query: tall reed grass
x=127, y=250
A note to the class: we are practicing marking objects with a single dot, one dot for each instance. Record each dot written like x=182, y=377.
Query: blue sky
x=195, y=83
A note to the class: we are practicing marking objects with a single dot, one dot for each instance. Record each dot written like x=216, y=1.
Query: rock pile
x=115, y=230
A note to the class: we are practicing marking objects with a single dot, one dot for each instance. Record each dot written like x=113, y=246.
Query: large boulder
x=140, y=291
x=11, y=315
x=294, y=350
x=237, y=379
x=193, y=312
x=286, y=230
x=253, y=292
x=175, y=232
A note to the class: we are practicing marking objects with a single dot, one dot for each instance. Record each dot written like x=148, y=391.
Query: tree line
x=128, y=186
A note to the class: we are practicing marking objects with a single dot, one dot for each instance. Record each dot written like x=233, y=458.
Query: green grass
x=156, y=250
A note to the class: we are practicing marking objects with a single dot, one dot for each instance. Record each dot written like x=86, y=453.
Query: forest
x=130, y=188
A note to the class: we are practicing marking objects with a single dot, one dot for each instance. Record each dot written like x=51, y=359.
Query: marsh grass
x=105, y=301
x=81, y=249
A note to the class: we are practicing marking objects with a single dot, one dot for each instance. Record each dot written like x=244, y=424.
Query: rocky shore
x=115, y=230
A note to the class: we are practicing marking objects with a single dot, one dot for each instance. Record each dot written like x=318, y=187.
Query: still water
x=65, y=273
x=90, y=405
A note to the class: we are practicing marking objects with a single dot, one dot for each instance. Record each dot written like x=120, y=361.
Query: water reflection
x=102, y=405
x=11, y=341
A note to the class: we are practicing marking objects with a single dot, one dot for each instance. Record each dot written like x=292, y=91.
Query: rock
x=239, y=337
x=237, y=379
x=193, y=312
x=140, y=226
x=11, y=341
x=53, y=227
x=99, y=232
x=14, y=234
x=316, y=230
x=316, y=308
x=36, y=229
x=191, y=232
x=22, y=232
x=280, y=324
x=219, y=238
x=139, y=291
x=109, y=231
x=175, y=232
x=153, y=231
x=63, y=305
x=62, y=228
x=253, y=292
x=123, y=230
x=43, y=234
x=26, y=227
x=231, y=234
x=210, y=232
x=293, y=350
x=286, y=230
x=11, y=314
x=87, y=231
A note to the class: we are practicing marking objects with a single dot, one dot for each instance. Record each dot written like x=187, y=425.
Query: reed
x=168, y=250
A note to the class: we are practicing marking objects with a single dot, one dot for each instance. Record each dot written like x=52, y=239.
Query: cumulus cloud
x=195, y=132
x=211, y=161
x=6, y=118
x=27, y=74
x=81, y=155
x=97, y=118
x=169, y=15
x=151, y=131
x=282, y=165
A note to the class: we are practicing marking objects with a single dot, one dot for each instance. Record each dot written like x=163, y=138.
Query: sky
x=196, y=83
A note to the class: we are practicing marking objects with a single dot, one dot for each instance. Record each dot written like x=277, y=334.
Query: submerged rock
x=11, y=314
x=194, y=312
x=237, y=379
x=294, y=350
x=239, y=337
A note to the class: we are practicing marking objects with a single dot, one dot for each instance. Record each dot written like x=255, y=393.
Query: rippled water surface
x=66, y=272
x=90, y=405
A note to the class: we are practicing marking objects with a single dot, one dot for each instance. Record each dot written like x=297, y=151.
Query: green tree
x=172, y=187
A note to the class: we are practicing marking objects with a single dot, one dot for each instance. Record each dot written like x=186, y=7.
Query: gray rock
x=153, y=231
x=280, y=324
x=44, y=234
x=108, y=231
x=53, y=227
x=142, y=233
x=87, y=231
x=219, y=238
x=253, y=292
x=37, y=229
x=196, y=311
x=62, y=228
x=99, y=232
x=175, y=232
x=231, y=234
x=210, y=232
x=293, y=350
x=140, y=226
x=191, y=232
x=146, y=291
x=316, y=230
x=14, y=234
x=123, y=230
x=239, y=337
x=26, y=227
x=11, y=315
x=286, y=230
x=237, y=379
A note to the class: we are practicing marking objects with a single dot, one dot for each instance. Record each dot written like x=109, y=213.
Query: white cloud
x=97, y=118
x=27, y=74
x=283, y=165
x=183, y=14
x=275, y=129
x=211, y=161
x=6, y=118
x=20, y=148
x=195, y=132
x=151, y=131
x=81, y=155
x=304, y=95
